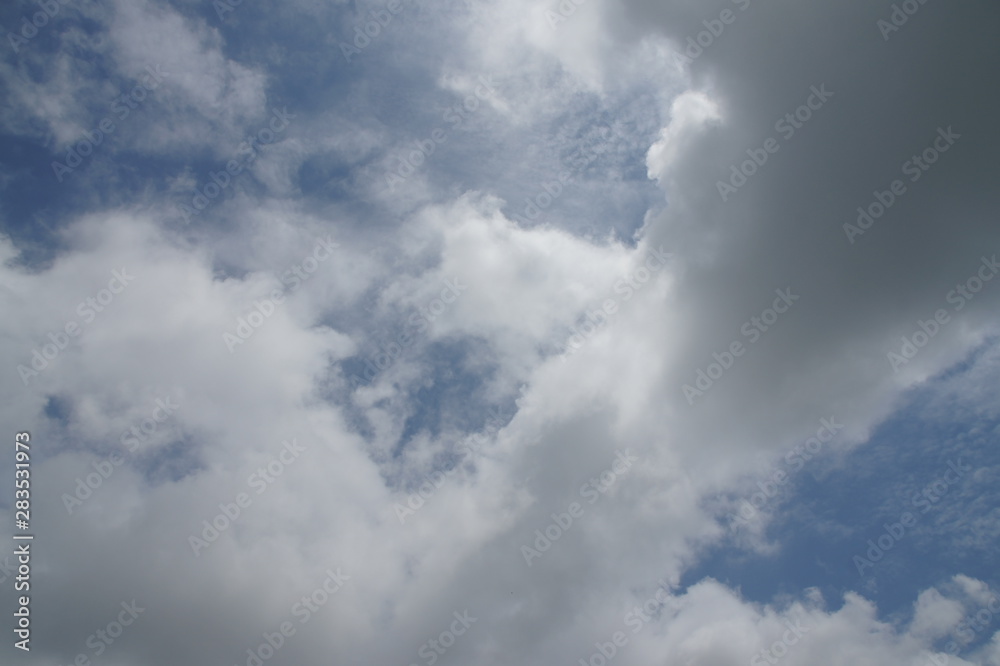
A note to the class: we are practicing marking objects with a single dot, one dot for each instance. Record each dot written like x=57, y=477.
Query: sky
x=499, y=332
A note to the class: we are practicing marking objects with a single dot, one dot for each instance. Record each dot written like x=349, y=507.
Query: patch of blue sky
x=936, y=458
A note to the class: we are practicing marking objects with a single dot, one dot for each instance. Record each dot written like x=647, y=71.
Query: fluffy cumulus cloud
x=500, y=332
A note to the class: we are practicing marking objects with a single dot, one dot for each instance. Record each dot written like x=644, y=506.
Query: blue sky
x=831, y=507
